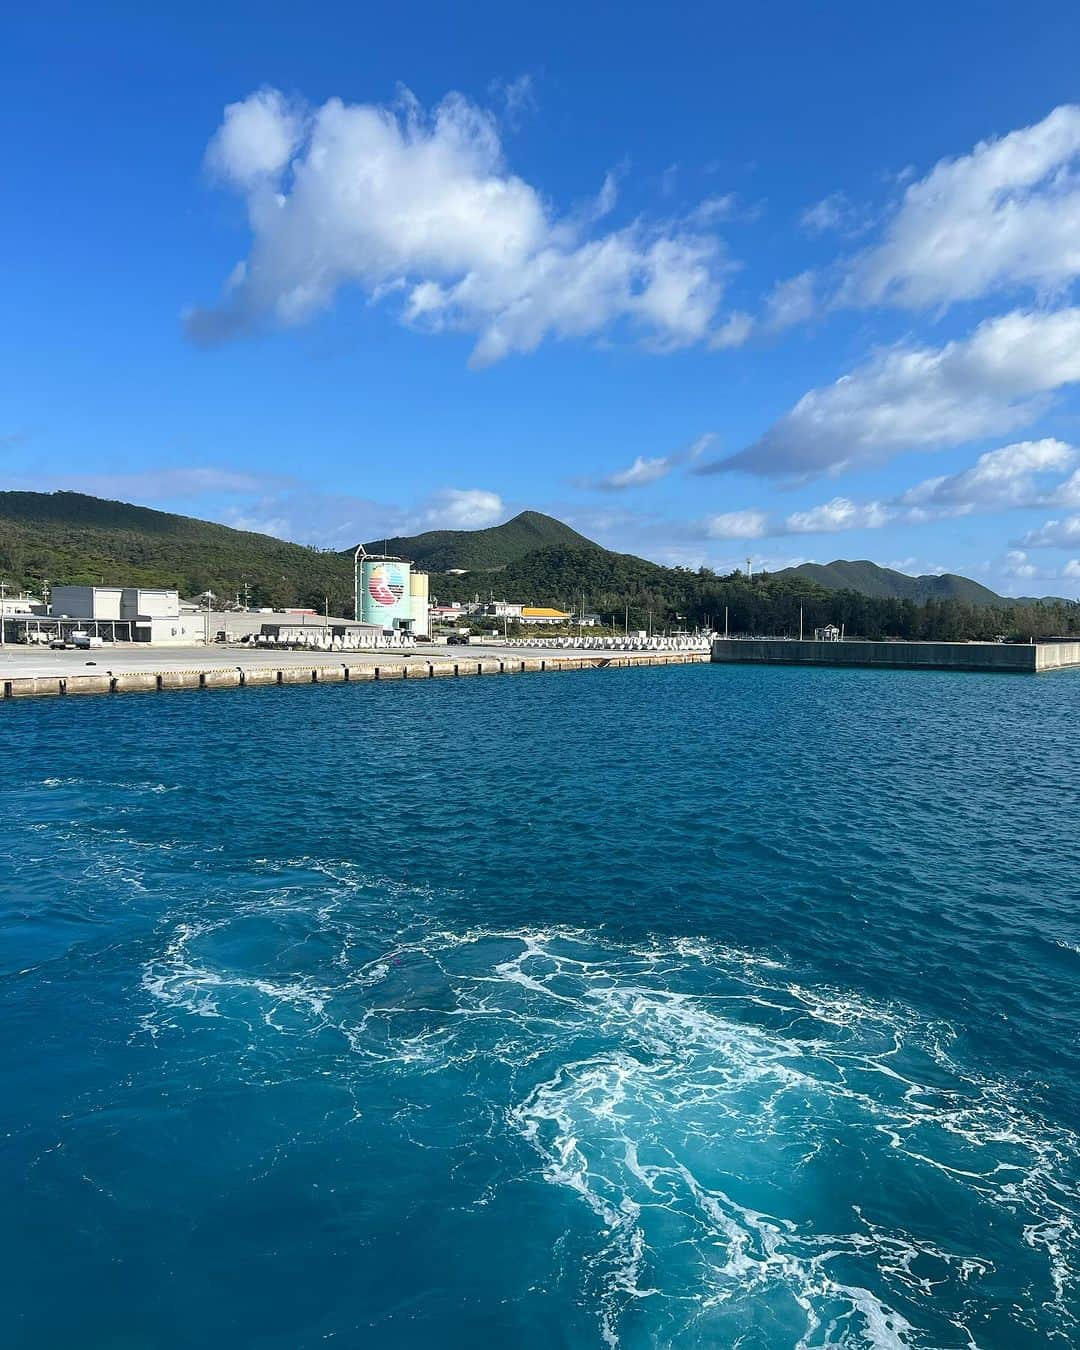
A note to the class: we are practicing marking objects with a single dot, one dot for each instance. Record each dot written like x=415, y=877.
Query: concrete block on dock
x=135, y=682
x=361, y=673
x=31, y=686
x=329, y=674
x=178, y=679
x=219, y=679
x=389, y=673
x=436, y=668
x=87, y=684
x=489, y=667
x=260, y=676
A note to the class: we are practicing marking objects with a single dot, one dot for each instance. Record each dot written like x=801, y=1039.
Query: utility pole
x=626, y=622
x=3, y=613
x=800, y=622
x=725, y=621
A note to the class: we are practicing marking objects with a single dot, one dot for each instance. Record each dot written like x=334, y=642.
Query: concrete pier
x=28, y=674
x=1019, y=658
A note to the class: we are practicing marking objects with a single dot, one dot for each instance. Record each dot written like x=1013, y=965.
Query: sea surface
x=696, y=1007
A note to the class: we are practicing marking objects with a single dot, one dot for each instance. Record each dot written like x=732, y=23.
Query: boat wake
x=739, y=1159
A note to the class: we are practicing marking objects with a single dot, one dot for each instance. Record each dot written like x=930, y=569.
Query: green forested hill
x=882, y=583
x=611, y=584
x=482, y=550
x=70, y=537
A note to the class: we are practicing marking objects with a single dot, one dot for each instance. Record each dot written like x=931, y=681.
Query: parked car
x=458, y=640
x=58, y=645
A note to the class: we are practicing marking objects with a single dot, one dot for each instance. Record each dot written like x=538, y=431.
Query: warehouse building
x=129, y=613
x=291, y=627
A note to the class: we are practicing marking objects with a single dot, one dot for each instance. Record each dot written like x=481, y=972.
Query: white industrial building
x=156, y=615
x=135, y=613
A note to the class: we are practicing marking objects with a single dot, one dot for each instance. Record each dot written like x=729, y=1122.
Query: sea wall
x=1020, y=658
x=157, y=681
x=1057, y=655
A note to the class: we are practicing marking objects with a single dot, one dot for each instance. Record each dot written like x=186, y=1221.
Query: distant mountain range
x=483, y=550
x=882, y=583
x=72, y=537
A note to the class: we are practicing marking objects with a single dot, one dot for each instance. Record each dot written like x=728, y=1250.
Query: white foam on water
x=104, y=785
x=690, y=1098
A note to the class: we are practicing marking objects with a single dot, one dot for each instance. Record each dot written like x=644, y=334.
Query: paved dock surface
x=19, y=661
x=27, y=672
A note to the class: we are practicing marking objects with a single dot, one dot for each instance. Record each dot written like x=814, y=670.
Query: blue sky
x=794, y=283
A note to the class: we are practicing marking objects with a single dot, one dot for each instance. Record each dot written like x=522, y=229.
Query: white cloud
x=839, y=514
x=326, y=520
x=518, y=97
x=1003, y=216
x=1065, y=494
x=833, y=212
x=464, y=509
x=737, y=525
x=790, y=302
x=733, y=332
x=281, y=527
x=256, y=139
x=998, y=479
x=714, y=209
x=639, y=473
x=1016, y=564
x=645, y=470
x=392, y=199
x=1054, y=534
x=1071, y=569
x=922, y=398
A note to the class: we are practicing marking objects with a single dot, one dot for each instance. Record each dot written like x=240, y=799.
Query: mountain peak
x=487, y=549
x=883, y=583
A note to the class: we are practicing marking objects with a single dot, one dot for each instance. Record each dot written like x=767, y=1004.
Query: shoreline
x=308, y=670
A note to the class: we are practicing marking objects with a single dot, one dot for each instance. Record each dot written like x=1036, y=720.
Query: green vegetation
x=482, y=550
x=68, y=537
x=882, y=583
x=622, y=588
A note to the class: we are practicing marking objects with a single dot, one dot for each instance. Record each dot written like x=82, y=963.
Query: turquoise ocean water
x=691, y=1007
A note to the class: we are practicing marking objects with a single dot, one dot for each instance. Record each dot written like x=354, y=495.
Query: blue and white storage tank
x=385, y=597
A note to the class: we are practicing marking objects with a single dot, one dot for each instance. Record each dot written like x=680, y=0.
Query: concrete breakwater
x=1021, y=658
x=338, y=672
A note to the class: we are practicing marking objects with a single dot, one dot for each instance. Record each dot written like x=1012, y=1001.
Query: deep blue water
x=707, y=1006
